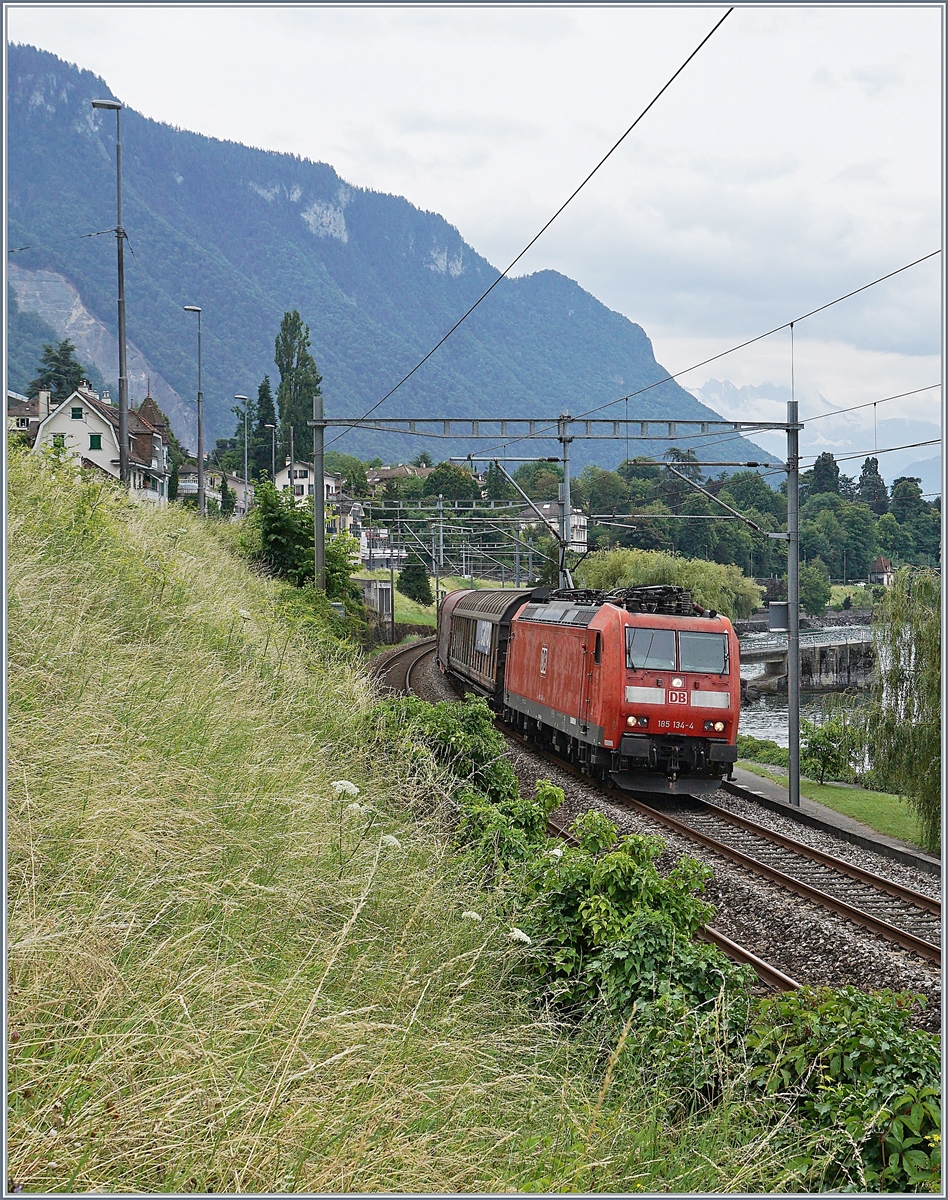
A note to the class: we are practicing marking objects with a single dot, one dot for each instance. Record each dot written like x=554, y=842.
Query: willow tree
x=903, y=719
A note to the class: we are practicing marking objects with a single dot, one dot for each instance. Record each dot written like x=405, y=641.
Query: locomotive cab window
x=649, y=649
x=703, y=653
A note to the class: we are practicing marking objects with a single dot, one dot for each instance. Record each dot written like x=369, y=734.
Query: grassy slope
x=220, y=978
x=879, y=810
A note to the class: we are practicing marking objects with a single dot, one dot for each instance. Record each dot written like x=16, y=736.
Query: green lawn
x=879, y=810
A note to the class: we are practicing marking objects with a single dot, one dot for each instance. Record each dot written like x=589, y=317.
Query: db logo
x=677, y=697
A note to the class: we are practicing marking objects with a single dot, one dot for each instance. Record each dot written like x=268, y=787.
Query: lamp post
x=116, y=107
x=246, y=478
x=273, y=451
x=202, y=506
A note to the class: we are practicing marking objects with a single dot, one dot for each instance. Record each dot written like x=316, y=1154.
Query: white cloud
x=796, y=157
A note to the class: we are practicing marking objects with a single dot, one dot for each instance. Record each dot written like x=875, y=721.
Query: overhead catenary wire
x=503, y=274
x=870, y=403
x=704, y=362
x=73, y=237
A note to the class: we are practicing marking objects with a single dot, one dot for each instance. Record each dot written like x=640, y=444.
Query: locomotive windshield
x=655, y=650
x=650, y=649
x=703, y=652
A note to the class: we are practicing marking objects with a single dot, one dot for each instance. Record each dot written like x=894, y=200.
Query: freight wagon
x=638, y=684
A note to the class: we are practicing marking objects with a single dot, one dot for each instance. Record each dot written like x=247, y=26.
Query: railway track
x=879, y=905
x=394, y=673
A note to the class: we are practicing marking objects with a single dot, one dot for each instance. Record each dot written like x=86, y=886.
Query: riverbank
x=881, y=811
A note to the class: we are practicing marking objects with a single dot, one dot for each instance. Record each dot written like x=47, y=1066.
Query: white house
x=551, y=511
x=86, y=426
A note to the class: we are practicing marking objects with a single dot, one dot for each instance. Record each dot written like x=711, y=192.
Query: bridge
x=829, y=658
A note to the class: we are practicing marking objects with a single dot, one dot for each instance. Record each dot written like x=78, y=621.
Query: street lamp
x=202, y=506
x=246, y=478
x=116, y=107
x=273, y=451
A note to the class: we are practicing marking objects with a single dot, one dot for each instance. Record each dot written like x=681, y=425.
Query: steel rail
x=765, y=971
x=381, y=669
x=891, y=933
x=901, y=937
x=414, y=663
x=879, y=882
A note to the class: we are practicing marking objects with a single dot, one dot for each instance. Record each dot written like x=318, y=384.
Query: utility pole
x=201, y=497
x=273, y=452
x=246, y=476
x=319, y=495
x=292, y=463
x=440, y=531
x=391, y=576
x=793, y=599
x=517, y=558
x=530, y=559
x=124, y=473
x=564, y=437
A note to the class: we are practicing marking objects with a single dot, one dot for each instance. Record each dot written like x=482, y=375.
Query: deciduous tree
x=902, y=725
x=299, y=378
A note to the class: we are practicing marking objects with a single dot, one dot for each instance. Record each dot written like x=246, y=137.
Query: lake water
x=767, y=717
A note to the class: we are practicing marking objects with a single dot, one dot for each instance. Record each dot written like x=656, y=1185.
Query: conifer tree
x=872, y=489
x=413, y=581
x=60, y=372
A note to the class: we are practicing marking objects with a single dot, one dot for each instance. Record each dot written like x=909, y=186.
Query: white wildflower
x=517, y=935
x=389, y=839
x=342, y=787
x=470, y=915
x=556, y=852
x=356, y=807
x=242, y=612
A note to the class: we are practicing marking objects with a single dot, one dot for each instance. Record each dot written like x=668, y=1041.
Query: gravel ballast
x=805, y=941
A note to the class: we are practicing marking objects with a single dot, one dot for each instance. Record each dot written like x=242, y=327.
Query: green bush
x=614, y=931
x=762, y=750
x=855, y=1066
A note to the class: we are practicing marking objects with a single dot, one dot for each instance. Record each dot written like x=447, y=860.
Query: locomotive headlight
x=636, y=721
x=719, y=726
x=630, y=720
x=643, y=720
x=708, y=725
x=678, y=683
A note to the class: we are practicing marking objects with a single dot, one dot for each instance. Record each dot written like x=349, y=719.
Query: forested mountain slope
x=248, y=234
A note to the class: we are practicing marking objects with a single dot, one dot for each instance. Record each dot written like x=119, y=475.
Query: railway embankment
x=242, y=954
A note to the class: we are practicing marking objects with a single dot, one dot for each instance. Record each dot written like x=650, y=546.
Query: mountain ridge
x=378, y=280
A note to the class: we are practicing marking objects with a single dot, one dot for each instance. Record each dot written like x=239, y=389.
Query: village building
x=378, y=477
x=551, y=513
x=85, y=425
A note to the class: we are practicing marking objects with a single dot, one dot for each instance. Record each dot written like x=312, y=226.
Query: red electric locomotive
x=638, y=683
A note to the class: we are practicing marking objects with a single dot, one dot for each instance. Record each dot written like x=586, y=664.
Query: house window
x=76, y=414
x=298, y=490
x=310, y=489
x=301, y=474
x=59, y=441
x=95, y=441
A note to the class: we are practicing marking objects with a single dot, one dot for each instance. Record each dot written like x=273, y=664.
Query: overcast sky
x=797, y=157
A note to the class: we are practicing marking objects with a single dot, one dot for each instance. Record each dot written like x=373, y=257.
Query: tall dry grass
x=222, y=977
